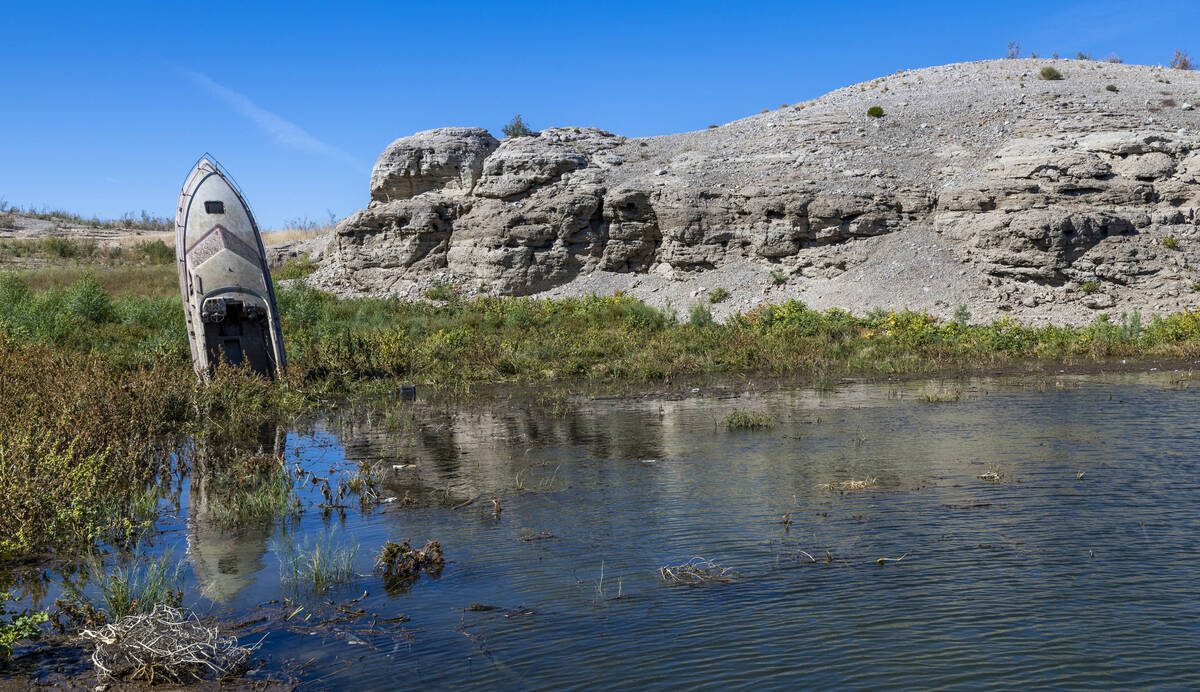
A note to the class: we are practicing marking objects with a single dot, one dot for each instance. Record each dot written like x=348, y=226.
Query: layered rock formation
x=981, y=185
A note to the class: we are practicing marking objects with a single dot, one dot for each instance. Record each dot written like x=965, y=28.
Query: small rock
x=660, y=171
x=1099, y=301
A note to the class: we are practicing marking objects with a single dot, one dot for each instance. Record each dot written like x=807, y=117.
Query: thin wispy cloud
x=283, y=131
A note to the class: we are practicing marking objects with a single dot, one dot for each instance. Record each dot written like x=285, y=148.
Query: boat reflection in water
x=226, y=541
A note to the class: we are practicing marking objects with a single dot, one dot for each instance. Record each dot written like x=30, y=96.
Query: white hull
x=227, y=292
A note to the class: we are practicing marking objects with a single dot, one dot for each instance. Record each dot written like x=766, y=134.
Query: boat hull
x=228, y=297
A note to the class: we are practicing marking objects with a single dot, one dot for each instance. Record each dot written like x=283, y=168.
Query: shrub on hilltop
x=517, y=128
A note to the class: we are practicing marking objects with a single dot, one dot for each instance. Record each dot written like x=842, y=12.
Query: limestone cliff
x=981, y=185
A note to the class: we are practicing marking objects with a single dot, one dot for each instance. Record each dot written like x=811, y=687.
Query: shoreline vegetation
x=98, y=389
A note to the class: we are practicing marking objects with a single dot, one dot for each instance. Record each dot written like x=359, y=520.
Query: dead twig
x=165, y=644
x=467, y=503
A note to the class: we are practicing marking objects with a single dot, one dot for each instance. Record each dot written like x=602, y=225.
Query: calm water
x=1077, y=569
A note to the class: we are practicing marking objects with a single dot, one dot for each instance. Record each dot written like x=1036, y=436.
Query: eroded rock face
x=445, y=159
x=1032, y=200
x=1052, y=209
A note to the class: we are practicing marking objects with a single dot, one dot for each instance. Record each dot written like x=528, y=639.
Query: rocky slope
x=981, y=185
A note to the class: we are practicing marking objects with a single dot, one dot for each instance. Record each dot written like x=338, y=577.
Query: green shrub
x=700, y=316
x=875, y=111
x=1049, y=73
x=1170, y=243
x=67, y=248
x=155, y=252
x=87, y=299
x=962, y=315
x=778, y=278
x=517, y=128
x=1111, y=87
x=295, y=268
x=718, y=295
x=13, y=292
x=1089, y=287
x=440, y=291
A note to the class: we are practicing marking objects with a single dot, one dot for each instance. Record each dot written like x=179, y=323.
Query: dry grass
x=849, y=486
x=126, y=280
x=287, y=235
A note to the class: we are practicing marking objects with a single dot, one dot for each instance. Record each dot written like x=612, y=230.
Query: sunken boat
x=232, y=318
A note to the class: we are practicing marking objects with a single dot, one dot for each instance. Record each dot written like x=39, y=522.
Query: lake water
x=1077, y=568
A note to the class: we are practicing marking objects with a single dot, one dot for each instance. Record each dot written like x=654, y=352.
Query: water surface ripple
x=1076, y=570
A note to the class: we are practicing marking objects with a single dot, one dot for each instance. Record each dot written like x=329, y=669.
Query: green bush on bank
x=459, y=342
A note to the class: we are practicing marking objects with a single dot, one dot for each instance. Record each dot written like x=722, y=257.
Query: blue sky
x=105, y=106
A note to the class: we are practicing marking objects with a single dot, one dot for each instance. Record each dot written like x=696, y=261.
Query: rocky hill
x=981, y=184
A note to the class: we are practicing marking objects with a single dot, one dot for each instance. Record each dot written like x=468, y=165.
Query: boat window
x=214, y=207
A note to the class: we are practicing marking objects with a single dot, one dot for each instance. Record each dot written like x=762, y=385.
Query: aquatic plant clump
x=17, y=626
x=166, y=644
x=849, y=486
x=400, y=564
x=698, y=570
x=749, y=420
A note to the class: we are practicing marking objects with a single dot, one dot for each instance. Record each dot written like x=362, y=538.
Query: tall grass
x=128, y=589
x=316, y=566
